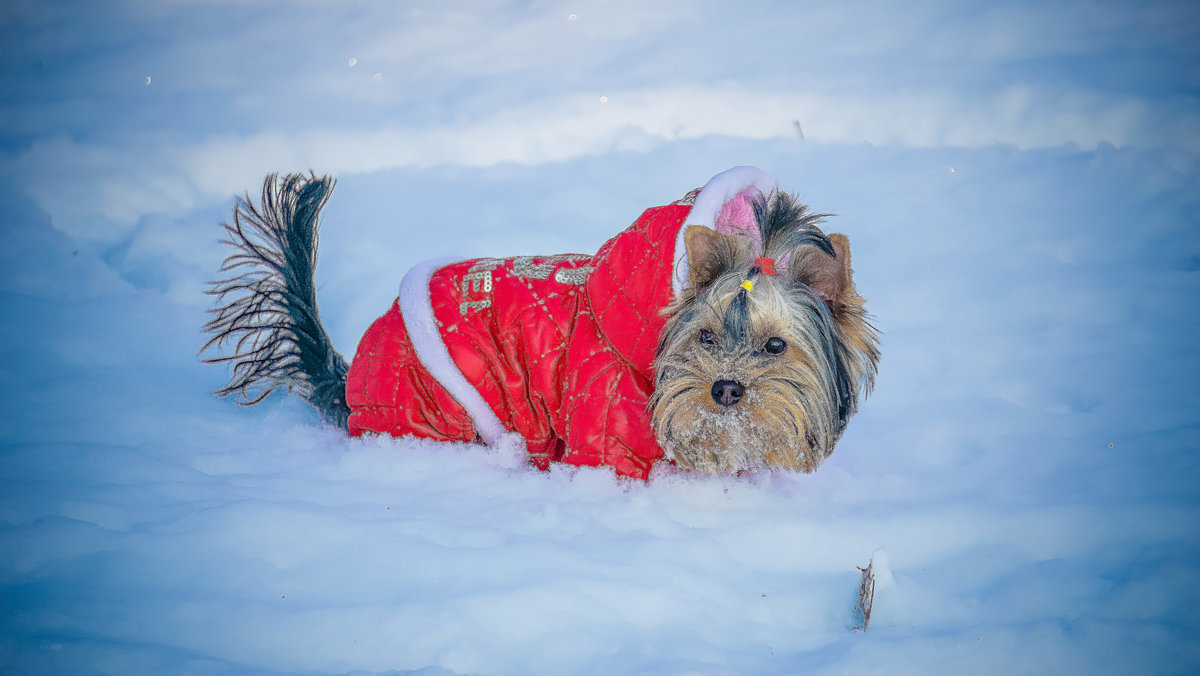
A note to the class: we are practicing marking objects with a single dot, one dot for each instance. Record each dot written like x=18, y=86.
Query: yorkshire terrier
x=721, y=332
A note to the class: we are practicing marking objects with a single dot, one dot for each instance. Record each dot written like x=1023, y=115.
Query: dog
x=721, y=332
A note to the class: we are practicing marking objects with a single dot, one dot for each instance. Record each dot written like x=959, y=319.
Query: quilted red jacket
x=557, y=349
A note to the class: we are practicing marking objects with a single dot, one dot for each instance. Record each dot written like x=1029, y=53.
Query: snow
x=1019, y=184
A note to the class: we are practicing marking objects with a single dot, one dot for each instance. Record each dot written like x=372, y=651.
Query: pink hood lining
x=723, y=205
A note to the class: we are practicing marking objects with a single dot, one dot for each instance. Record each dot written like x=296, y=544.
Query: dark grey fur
x=786, y=224
x=269, y=304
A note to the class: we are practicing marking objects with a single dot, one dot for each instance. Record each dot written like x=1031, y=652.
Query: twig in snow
x=866, y=596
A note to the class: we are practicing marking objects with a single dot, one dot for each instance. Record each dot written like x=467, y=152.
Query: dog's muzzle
x=727, y=392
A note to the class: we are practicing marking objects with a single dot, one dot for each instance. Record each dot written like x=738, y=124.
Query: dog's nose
x=727, y=392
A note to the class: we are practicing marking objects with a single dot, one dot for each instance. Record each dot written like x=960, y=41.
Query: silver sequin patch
x=476, y=282
x=473, y=305
x=478, y=279
x=525, y=266
x=573, y=276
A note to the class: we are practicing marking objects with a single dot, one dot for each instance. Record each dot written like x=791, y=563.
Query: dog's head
x=765, y=353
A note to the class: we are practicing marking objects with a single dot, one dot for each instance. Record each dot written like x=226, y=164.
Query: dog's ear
x=829, y=276
x=710, y=254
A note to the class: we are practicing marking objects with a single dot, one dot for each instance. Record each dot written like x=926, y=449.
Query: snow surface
x=1021, y=186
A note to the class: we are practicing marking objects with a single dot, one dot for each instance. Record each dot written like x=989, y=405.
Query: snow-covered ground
x=1020, y=183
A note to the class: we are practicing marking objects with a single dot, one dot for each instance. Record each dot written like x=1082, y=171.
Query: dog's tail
x=268, y=304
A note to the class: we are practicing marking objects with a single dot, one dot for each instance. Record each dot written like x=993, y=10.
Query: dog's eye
x=775, y=345
x=707, y=337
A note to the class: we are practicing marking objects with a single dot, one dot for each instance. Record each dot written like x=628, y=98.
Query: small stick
x=866, y=595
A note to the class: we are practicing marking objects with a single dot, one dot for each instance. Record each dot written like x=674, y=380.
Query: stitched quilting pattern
x=390, y=392
x=508, y=334
x=561, y=348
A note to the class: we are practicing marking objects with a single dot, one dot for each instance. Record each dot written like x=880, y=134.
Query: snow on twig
x=866, y=596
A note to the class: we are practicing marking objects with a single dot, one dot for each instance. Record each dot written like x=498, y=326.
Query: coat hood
x=638, y=273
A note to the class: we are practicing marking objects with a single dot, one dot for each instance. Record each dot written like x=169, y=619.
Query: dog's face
x=759, y=370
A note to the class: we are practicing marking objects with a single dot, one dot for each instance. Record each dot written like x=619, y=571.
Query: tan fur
x=850, y=312
x=710, y=253
x=786, y=419
x=758, y=433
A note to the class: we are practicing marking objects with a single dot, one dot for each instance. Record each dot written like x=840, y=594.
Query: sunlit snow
x=1020, y=185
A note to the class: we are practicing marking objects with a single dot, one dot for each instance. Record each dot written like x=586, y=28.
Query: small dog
x=721, y=332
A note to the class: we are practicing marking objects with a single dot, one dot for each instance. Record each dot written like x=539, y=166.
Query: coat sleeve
x=607, y=411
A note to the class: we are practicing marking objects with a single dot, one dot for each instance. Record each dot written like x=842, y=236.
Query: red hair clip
x=766, y=266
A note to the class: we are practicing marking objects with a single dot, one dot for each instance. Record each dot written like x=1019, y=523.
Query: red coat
x=557, y=349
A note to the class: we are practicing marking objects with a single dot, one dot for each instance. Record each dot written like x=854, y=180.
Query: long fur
x=269, y=306
x=796, y=403
x=785, y=224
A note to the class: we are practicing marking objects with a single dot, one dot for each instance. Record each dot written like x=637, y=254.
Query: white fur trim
x=416, y=306
x=712, y=198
